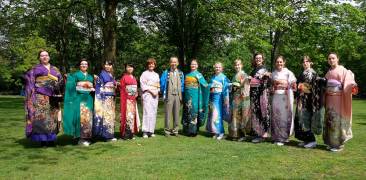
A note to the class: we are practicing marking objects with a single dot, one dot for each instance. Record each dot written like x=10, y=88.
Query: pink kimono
x=338, y=106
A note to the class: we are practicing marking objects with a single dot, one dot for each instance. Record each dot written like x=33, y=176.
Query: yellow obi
x=191, y=82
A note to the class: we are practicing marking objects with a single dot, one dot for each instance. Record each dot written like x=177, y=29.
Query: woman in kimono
x=338, y=104
x=42, y=102
x=150, y=87
x=284, y=82
x=195, y=100
x=309, y=107
x=104, y=104
x=259, y=99
x=78, y=104
x=239, y=125
x=130, y=121
x=219, y=107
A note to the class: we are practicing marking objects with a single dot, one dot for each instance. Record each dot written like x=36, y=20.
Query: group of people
x=257, y=105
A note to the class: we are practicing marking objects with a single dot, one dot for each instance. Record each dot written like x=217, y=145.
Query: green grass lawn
x=200, y=157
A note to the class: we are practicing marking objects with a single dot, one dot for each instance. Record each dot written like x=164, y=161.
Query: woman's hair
x=150, y=61
x=333, y=53
x=81, y=60
x=108, y=62
x=280, y=57
x=40, y=51
x=255, y=55
x=237, y=61
x=307, y=58
x=218, y=63
x=129, y=64
x=193, y=60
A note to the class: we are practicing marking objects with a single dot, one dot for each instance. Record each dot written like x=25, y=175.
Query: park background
x=219, y=30
x=210, y=30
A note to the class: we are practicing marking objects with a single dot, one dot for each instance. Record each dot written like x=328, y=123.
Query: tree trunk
x=109, y=30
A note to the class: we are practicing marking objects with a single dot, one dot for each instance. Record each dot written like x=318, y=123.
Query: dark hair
x=129, y=64
x=333, y=53
x=253, y=60
x=81, y=60
x=40, y=51
x=150, y=61
x=108, y=62
x=193, y=59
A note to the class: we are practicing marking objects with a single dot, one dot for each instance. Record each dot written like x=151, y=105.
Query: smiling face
x=258, y=60
x=194, y=65
x=129, y=69
x=218, y=68
x=44, y=58
x=108, y=67
x=333, y=60
x=280, y=63
x=173, y=63
x=238, y=66
x=306, y=63
x=83, y=66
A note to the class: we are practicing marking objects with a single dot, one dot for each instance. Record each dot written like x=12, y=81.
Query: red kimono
x=130, y=121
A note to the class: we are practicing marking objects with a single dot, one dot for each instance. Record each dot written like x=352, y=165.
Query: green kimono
x=195, y=106
x=78, y=105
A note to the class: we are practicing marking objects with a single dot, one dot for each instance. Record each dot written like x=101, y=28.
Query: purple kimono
x=42, y=103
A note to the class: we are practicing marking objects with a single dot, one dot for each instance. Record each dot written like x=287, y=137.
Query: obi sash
x=41, y=81
x=280, y=86
x=108, y=89
x=334, y=87
x=191, y=82
x=254, y=82
x=216, y=87
x=131, y=90
x=84, y=86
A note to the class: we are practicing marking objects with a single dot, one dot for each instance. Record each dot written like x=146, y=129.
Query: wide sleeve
x=182, y=81
x=226, y=100
x=144, y=82
x=163, y=80
x=70, y=105
x=29, y=99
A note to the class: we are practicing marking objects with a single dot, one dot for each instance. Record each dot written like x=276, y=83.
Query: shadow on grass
x=294, y=143
x=363, y=124
x=62, y=140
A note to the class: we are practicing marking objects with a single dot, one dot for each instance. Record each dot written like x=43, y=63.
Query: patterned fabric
x=259, y=101
x=282, y=105
x=195, y=106
x=219, y=106
x=149, y=81
x=309, y=117
x=42, y=102
x=104, y=106
x=78, y=105
x=338, y=107
x=240, y=106
x=130, y=121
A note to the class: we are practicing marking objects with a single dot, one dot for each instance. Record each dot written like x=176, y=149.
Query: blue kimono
x=219, y=106
x=104, y=106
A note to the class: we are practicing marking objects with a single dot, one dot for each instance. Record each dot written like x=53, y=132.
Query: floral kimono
x=240, y=106
x=259, y=101
x=282, y=105
x=309, y=107
x=42, y=104
x=338, y=107
x=195, y=106
x=78, y=105
x=219, y=106
x=104, y=106
x=130, y=121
